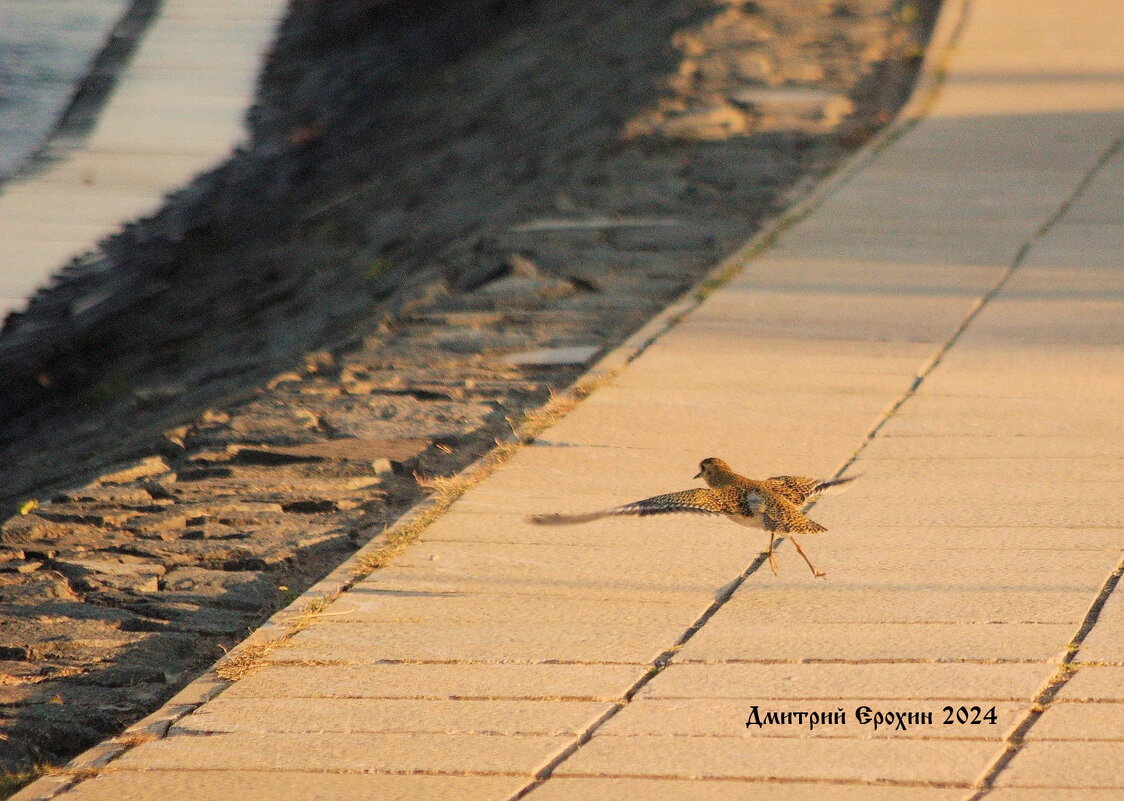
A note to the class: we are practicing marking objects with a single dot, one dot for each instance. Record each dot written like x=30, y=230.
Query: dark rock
x=212, y=531
x=33, y=588
x=129, y=495
x=381, y=454
x=232, y=513
x=26, y=528
x=663, y=238
x=518, y=290
x=125, y=574
x=122, y=676
x=316, y=506
x=171, y=520
x=79, y=513
x=146, y=468
x=248, y=591
x=204, y=473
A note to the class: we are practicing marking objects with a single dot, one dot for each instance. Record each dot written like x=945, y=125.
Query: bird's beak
x=698, y=474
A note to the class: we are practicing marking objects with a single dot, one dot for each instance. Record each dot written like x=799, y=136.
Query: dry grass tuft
x=315, y=608
x=133, y=739
x=247, y=659
x=81, y=774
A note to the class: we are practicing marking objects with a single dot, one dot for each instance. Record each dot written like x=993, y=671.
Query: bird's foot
x=773, y=562
x=815, y=571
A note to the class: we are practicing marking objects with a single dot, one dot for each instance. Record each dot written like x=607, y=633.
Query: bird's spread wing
x=798, y=489
x=794, y=489
x=697, y=501
x=777, y=514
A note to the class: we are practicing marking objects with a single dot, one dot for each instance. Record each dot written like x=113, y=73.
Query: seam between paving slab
x=1069, y=666
x=1014, y=741
x=986, y=298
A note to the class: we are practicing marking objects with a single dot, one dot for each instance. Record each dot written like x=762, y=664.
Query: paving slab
x=973, y=416
x=1080, y=721
x=1094, y=683
x=1053, y=794
x=793, y=272
x=1064, y=764
x=935, y=446
x=831, y=360
x=580, y=640
x=880, y=641
x=715, y=537
x=1040, y=474
x=866, y=760
x=934, y=510
x=686, y=789
x=974, y=538
x=358, y=752
x=367, y=605
x=1089, y=282
x=441, y=681
x=404, y=716
x=147, y=173
x=857, y=602
x=836, y=408
x=906, y=246
x=222, y=785
x=839, y=315
x=609, y=585
x=70, y=206
x=850, y=681
x=615, y=425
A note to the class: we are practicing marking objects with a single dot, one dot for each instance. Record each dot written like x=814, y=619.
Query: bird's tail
x=813, y=528
x=833, y=486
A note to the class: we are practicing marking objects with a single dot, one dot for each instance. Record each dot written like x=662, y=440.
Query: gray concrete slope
x=949, y=322
x=177, y=109
x=46, y=50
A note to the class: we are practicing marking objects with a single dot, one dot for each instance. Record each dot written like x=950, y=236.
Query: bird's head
x=713, y=471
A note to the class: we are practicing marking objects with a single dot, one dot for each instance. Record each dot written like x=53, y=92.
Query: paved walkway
x=177, y=110
x=950, y=323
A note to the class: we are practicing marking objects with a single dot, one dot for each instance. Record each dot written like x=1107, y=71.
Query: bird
x=773, y=504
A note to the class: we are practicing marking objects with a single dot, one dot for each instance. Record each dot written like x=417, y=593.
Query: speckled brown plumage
x=773, y=504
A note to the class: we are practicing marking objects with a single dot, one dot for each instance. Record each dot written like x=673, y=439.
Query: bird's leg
x=772, y=552
x=815, y=572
